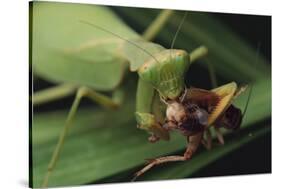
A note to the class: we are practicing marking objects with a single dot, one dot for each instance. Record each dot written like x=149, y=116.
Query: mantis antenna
x=250, y=92
x=116, y=35
x=247, y=103
x=178, y=29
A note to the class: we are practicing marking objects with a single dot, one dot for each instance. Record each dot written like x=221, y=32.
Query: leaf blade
x=63, y=47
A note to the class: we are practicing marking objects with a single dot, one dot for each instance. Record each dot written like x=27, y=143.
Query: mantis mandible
x=161, y=71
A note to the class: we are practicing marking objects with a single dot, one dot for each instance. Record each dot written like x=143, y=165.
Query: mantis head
x=166, y=72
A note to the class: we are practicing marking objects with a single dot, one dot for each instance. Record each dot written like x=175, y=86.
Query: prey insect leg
x=158, y=161
x=193, y=143
x=208, y=141
x=219, y=135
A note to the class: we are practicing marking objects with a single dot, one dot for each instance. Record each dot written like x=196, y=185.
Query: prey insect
x=161, y=87
x=194, y=112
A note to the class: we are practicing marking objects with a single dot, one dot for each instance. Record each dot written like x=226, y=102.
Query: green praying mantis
x=100, y=61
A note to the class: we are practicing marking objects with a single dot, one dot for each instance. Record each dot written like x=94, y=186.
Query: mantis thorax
x=166, y=72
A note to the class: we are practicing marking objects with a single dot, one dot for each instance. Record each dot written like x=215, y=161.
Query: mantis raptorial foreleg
x=99, y=98
x=146, y=117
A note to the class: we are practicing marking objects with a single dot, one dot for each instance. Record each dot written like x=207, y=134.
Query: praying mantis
x=100, y=62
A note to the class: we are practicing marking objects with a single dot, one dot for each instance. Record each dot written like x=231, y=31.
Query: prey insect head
x=167, y=74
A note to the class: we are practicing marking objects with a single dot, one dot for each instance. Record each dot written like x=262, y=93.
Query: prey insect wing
x=203, y=98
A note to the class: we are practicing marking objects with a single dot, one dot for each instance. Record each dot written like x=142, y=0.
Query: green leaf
x=66, y=50
x=103, y=143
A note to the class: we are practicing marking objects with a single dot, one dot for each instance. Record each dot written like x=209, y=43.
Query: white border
x=238, y=6
x=14, y=91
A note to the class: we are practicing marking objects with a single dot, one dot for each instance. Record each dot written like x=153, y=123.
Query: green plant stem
x=53, y=93
x=157, y=24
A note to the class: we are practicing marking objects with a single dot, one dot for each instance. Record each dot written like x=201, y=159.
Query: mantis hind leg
x=53, y=93
x=101, y=99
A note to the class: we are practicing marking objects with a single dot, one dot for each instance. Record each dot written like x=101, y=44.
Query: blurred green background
x=105, y=146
